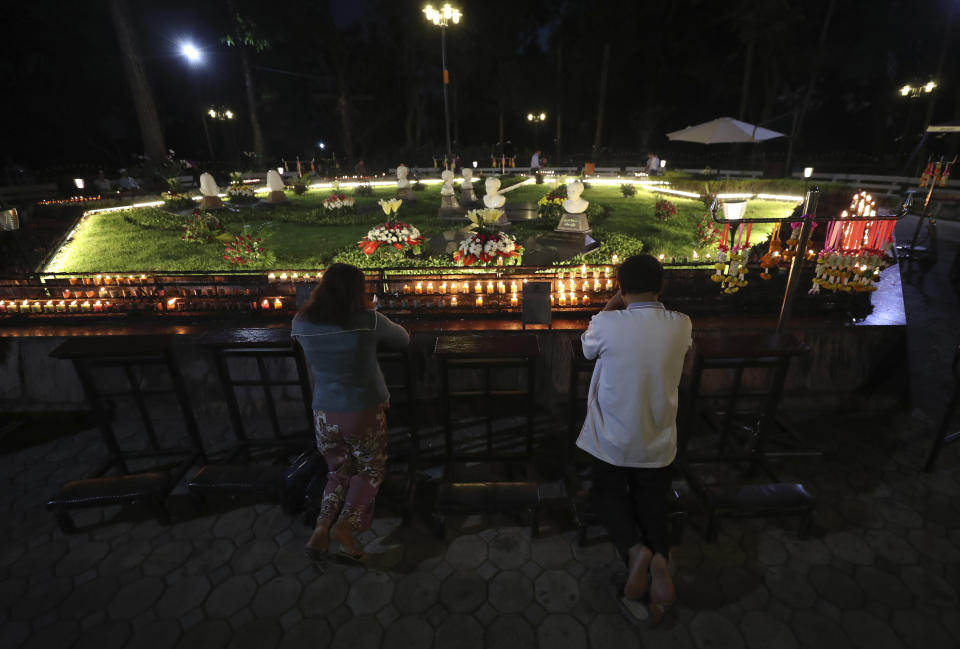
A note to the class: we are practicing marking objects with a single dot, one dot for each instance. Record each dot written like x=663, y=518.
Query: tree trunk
x=601, y=98
x=814, y=69
x=147, y=117
x=258, y=147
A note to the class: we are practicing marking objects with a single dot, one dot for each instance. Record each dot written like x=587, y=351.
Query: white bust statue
x=493, y=199
x=274, y=181
x=447, y=189
x=467, y=175
x=402, y=172
x=574, y=204
x=208, y=186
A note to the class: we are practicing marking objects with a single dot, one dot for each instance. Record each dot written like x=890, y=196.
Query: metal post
x=793, y=279
x=446, y=83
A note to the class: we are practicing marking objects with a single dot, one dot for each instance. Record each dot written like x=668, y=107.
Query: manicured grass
x=300, y=233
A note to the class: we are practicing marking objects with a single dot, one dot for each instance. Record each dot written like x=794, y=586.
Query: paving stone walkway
x=880, y=569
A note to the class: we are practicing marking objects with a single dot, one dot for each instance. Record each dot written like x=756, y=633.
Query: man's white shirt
x=632, y=401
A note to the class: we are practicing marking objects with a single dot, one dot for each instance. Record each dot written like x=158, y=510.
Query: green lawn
x=299, y=234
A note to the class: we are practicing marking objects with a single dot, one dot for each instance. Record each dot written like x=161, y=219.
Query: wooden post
x=793, y=279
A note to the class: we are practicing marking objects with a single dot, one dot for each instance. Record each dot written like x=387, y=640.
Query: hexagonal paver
x=135, y=598
x=810, y=551
x=509, y=551
x=60, y=634
x=612, y=631
x=162, y=634
x=208, y=555
x=232, y=524
x=557, y=591
x=511, y=631
x=762, y=631
x=307, y=634
x=167, y=557
x=459, y=632
x=463, y=592
x=711, y=629
x=125, y=556
x=850, y=548
x=934, y=546
x=186, y=593
x=361, y=631
x=929, y=588
x=598, y=592
x=836, y=587
x=921, y=631
x=41, y=598
x=890, y=546
x=466, y=552
x=89, y=597
x=324, y=594
x=231, y=595
x=81, y=558
x=416, y=592
x=111, y=635
x=276, y=597
x=510, y=592
x=790, y=587
x=38, y=559
x=209, y=634
x=370, y=593
x=408, y=632
x=551, y=553
x=868, y=632
x=814, y=629
x=257, y=634
x=882, y=586
x=561, y=632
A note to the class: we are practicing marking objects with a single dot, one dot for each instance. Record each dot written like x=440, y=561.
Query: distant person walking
x=653, y=164
x=339, y=334
x=631, y=423
x=535, y=162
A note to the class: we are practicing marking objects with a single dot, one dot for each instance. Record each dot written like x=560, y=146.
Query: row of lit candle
x=571, y=285
x=97, y=280
x=54, y=306
x=464, y=287
x=584, y=272
x=294, y=277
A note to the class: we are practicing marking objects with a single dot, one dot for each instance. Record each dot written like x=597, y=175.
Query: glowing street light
x=441, y=18
x=224, y=114
x=916, y=91
x=190, y=51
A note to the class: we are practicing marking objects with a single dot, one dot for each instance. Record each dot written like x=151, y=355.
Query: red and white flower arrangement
x=243, y=249
x=395, y=234
x=338, y=201
x=487, y=245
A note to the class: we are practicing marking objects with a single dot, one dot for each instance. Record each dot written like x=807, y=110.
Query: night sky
x=672, y=64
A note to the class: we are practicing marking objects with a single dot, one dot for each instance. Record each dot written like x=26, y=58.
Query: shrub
x=301, y=184
x=539, y=178
x=664, y=210
x=628, y=190
x=708, y=232
x=243, y=249
x=364, y=189
x=418, y=186
x=201, y=227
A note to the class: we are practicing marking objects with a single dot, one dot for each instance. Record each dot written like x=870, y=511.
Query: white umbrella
x=722, y=130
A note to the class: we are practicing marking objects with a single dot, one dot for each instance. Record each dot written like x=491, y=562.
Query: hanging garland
x=731, y=268
x=773, y=257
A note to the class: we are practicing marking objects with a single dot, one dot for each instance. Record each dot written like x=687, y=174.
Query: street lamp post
x=912, y=92
x=443, y=17
x=536, y=119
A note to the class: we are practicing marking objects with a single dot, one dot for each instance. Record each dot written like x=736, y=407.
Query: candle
x=551, y=299
x=606, y=272
x=563, y=299
x=478, y=288
x=609, y=285
x=295, y=277
x=572, y=285
x=73, y=308
x=586, y=300
x=171, y=304
x=85, y=306
x=98, y=306
x=443, y=289
x=479, y=300
x=583, y=270
x=283, y=277
x=453, y=301
x=406, y=289
x=695, y=255
x=513, y=287
x=501, y=288
x=278, y=303
x=418, y=289
x=3, y=307
x=489, y=288
x=560, y=274
x=62, y=306
x=596, y=285
x=107, y=279
x=272, y=276
x=513, y=300
x=661, y=257
x=36, y=308
x=430, y=288
x=593, y=273
x=586, y=286
x=73, y=280
x=98, y=280
x=615, y=259
x=466, y=287
x=265, y=305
